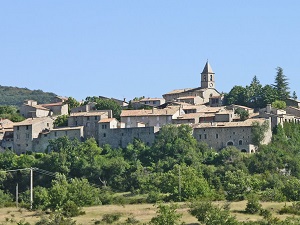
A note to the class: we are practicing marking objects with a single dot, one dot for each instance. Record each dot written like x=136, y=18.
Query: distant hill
x=16, y=96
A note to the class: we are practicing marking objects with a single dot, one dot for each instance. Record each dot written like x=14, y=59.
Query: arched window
x=229, y=143
x=240, y=142
x=211, y=78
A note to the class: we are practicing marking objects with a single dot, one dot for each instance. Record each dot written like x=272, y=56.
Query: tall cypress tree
x=281, y=85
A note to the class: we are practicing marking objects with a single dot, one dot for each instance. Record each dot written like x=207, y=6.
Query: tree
x=281, y=85
x=237, y=95
x=61, y=121
x=253, y=206
x=72, y=103
x=259, y=132
x=166, y=215
x=294, y=95
x=106, y=104
x=254, y=92
x=208, y=214
x=279, y=104
x=242, y=113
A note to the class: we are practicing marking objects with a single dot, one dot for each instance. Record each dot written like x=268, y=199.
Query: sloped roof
x=155, y=112
x=207, y=68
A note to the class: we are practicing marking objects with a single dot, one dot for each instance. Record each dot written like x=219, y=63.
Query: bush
x=153, y=197
x=110, y=218
x=253, y=206
x=70, y=209
x=293, y=209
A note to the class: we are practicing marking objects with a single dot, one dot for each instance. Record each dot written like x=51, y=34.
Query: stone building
x=89, y=120
x=41, y=143
x=57, y=108
x=205, y=91
x=121, y=137
x=219, y=135
x=152, y=117
x=26, y=131
x=30, y=109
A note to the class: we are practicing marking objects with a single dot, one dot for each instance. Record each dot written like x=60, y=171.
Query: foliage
x=253, y=206
x=279, y=104
x=209, y=214
x=72, y=103
x=16, y=96
x=56, y=218
x=293, y=209
x=10, y=112
x=259, y=131
x=281, y=85
x=5, y=199
x=166, y=215
x=106, y=104
x=70, y=209
x=61, y=121
x=242, y=113
x=111, y=218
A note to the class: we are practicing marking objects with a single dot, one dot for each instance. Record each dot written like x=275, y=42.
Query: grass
x=141, y=212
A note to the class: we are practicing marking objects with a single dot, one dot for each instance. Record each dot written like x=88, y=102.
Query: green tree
x=237, y=95
x=259, y=132
x=253, y=206
x=269, y=95
x=72, y=103
x=208, y=214
x=236, y=185
x=106, y=104
x=294, y=95
x=61, y=121
x=279, y=104
x=281, y=85
x=242, y=113
x=166, y=215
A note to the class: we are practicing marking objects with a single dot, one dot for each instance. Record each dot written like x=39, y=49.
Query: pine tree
x=295, y=95
x=281, y=85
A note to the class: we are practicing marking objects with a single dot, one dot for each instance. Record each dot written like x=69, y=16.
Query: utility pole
x=17, y=195
x=179, y=183
x=31, y=187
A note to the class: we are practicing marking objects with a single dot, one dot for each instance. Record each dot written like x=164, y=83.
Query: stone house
x=89, y=120
x=121, y=137
x=41, y=143
x=193, y=100
x=153, y=102
x=26, y=131
x=57, y=108
x=219, y=135
x=151, y=118
x=30, y=109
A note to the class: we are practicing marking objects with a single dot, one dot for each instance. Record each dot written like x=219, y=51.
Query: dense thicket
x=16, y=96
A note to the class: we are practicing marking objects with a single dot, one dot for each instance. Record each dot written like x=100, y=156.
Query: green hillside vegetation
x=175, y=168
x=16, y=96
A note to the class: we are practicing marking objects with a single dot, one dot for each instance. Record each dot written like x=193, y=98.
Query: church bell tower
x=207, y=77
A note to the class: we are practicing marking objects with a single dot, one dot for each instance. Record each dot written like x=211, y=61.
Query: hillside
x=16, y=96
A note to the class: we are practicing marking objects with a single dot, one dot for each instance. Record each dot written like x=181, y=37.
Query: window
x=104, y=134
x=200, y=136
x=229, y=143
x=104, y=126
x=18, y=136
x=217, y=136
x=55, y=133
x=205, y=136
x=240, y=142
x=27, y=127
x=96, y=117
x=18, y=128
x=27, y=136
x=211, y=78
x=47, y=124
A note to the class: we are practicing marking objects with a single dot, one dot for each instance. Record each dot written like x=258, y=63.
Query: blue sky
x=131, y=48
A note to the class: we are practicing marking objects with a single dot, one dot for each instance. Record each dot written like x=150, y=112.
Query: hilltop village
x=201, y=108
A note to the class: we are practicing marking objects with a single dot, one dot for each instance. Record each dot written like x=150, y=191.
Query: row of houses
x=201, y=108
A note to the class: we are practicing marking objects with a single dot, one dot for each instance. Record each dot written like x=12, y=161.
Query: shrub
x=253, y=206
x=70, y=209
x=110, y=218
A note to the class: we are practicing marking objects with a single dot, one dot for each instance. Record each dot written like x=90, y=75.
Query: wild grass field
x=141, y=212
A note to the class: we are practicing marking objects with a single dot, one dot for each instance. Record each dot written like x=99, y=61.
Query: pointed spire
x=207, y=68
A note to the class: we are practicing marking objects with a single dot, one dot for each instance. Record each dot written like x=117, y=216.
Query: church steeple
x=207, y=77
